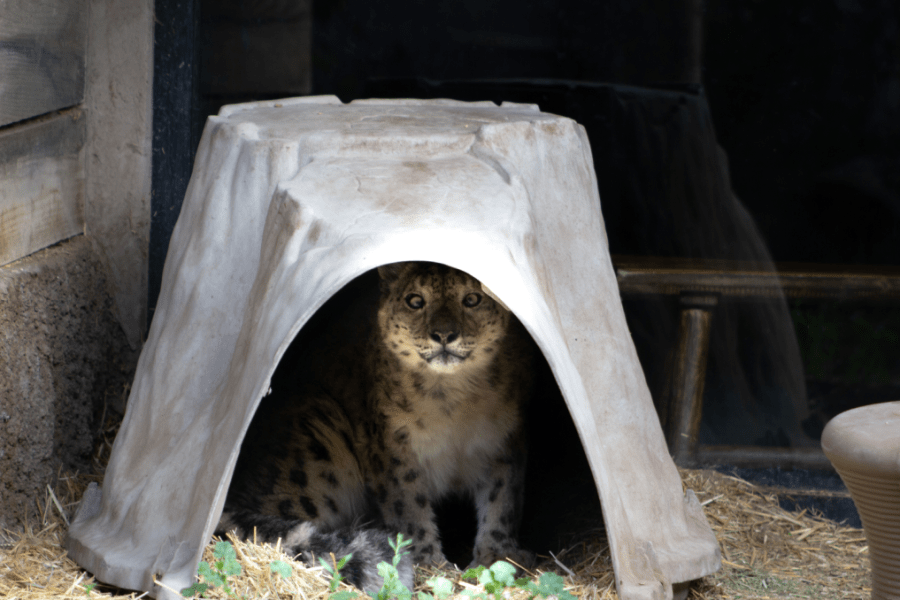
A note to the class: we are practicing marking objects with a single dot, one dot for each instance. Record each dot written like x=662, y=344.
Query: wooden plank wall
x=42, y=71
x=42, y=47
x=41, y=184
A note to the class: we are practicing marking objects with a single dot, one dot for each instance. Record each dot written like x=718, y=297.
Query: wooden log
x=42, y=50
x=669, y=276
x=42, y=191
x=689, y=376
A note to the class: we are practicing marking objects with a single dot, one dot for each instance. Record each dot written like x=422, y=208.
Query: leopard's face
x=438, y=318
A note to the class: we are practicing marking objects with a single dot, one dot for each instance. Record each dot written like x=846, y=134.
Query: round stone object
x=863, y=444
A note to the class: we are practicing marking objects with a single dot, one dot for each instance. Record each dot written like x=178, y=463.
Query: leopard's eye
x=415, y=301
x=472, y=300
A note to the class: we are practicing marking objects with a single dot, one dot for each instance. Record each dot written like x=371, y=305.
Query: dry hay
x=767, y=552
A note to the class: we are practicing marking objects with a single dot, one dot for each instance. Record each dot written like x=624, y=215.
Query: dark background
x=802, y=96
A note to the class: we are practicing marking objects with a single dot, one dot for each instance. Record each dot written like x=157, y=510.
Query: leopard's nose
x=444, y=337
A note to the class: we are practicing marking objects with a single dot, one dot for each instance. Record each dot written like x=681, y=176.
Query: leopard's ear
x=390, y=273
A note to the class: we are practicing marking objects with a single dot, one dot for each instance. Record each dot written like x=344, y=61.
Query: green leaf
x=494, y=579
x=387, y=571
x=220, y=580
x=327, y=566
x=474, y=572
x=503, y=573
x=195, y=590
x=334, y=571
x=552, y=581
x=232, y=568
x=224, y=551
x=343, y=595
x=549, y=584
x=204, y=570
x=282, y=568
x=398, y=547
x=393, y=587
x=441, y=586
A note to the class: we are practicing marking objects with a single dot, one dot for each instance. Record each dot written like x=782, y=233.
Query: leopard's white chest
x=460, y=437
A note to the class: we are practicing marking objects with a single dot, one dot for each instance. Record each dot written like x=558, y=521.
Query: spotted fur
x=433, y=407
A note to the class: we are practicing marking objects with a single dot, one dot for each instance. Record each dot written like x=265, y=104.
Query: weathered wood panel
x=42, y=49
x=41, y=184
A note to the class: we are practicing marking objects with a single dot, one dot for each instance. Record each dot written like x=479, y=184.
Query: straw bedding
x=767, y=553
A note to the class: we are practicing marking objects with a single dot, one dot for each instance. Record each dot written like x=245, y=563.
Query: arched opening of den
x=413, y=402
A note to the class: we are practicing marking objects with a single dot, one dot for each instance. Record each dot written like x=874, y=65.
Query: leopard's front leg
x=407, y=509
x=498, y=502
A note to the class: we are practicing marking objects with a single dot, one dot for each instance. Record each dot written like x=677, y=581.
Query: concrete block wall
x=64, y=362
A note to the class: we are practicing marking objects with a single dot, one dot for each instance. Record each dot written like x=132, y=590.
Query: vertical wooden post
x=689, y=375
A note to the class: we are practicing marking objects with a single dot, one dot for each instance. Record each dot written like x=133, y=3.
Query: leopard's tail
x=308, y=541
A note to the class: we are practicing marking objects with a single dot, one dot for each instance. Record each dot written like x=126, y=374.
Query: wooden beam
x=672, y=276
x=42, y=50
x=41, y=184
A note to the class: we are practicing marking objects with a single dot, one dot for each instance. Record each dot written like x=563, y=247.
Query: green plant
x=441, y=586
x=89, y=588
x=280, y=567
x=216, y=575
x=501, y=575
x=336, y=577
x=392, y=587
x=549, y=584
x=495, y=579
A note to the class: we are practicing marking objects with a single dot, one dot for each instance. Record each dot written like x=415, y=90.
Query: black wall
x=175, y=118
x=804, y=98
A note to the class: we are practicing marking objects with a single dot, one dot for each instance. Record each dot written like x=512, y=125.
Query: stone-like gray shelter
x=291, y=200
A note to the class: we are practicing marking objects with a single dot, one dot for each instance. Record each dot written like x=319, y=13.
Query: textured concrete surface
x=64, y=360
x=118, y=105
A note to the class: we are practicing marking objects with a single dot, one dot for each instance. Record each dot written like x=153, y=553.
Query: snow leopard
x=423, y=401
